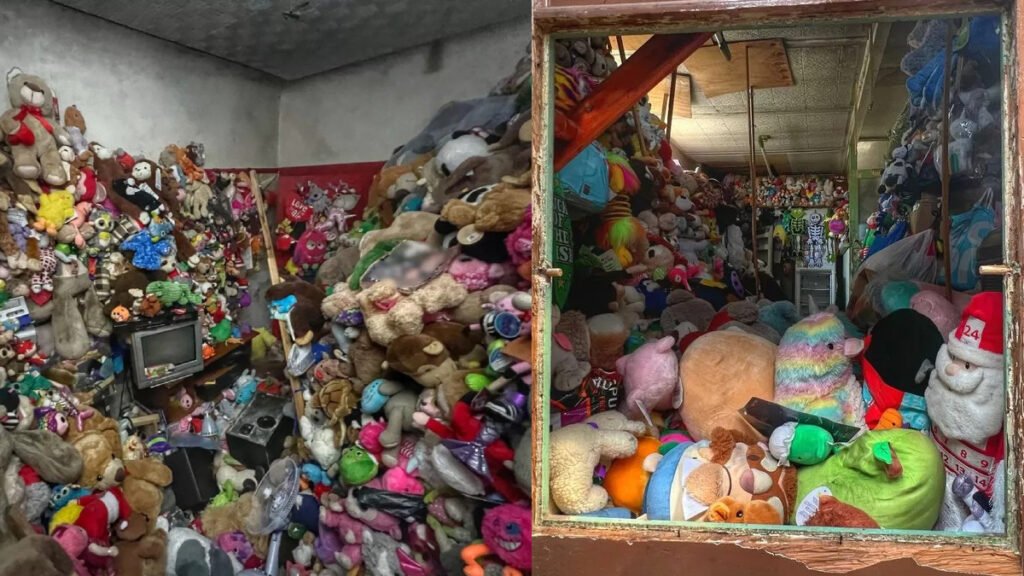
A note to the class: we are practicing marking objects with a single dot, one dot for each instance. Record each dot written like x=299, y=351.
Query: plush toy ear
x=666, y=344
x=719, y=511
x=651, y=462
x=853, y=347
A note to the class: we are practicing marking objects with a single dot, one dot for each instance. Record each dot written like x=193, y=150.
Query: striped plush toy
x=813, y=373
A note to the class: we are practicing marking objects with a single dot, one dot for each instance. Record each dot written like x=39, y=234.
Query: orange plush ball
x=626, y=479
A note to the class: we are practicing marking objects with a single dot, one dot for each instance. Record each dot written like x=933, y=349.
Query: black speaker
x=257, y=435
x=194, y=481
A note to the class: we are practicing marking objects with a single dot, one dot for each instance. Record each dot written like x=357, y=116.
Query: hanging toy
x=622, y=233
x=815, y=241
x=621, y=177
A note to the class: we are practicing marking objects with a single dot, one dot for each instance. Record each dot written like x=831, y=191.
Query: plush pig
x=651, y=377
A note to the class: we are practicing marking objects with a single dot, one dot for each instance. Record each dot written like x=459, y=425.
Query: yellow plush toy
x=54, y=209
x=729, y=510
x=67, y=515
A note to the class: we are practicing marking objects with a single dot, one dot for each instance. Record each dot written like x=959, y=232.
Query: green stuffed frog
x=357, y=466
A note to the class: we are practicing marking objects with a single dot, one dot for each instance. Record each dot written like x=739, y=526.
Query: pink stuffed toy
x=519, y=244
x=507, y=531
x=934, y=306
x=342, y=523
x=651, y=378
x=74, y=541
x=476, y=274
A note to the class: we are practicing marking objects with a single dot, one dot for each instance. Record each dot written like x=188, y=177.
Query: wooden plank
x=626, y=85
x=715, y=76
x=684, y=97
x=1013, y=286
x=867, y=78
x=275, y=277
x=632, y=551
x=597, y=17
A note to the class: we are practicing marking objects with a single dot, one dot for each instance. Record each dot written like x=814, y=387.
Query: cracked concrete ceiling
x=291, y=39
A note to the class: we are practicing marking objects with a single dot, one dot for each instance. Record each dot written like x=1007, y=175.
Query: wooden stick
x=753, y=177
x=946, y=216
x=275, y=277
x=671, y=105
x=636, y=113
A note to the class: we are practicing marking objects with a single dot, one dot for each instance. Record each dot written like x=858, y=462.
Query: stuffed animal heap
x=967, y=405
x=813, y=373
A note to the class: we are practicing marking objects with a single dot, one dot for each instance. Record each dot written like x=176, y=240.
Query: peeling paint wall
x=141, y=93
x=363, y=112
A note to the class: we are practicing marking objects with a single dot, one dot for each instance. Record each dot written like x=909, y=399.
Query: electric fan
x=272, y=504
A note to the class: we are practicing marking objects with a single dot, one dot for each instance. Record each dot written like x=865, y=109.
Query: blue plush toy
x=315, y=474
x=151, y=245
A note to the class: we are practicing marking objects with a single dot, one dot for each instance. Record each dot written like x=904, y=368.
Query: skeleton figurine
x=815, y=241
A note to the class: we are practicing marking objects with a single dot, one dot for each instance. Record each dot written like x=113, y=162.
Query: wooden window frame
x=566, y=545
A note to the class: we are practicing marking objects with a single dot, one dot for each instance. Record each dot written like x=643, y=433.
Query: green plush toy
x=896, y=476
x=357, y=466
x=173, y=293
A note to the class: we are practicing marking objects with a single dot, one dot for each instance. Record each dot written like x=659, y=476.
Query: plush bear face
x=27, y=90
x=101, y=467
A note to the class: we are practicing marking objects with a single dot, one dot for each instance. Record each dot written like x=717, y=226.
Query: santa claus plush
x=966, y=401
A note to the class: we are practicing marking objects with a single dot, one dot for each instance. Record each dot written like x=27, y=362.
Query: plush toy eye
x=99, y=478
x=739, y=514
x=831, y=346
x=967, y=365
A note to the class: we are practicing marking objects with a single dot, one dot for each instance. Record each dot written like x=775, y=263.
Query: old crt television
x=162, y=353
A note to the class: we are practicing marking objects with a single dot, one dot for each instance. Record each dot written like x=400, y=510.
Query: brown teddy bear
x=305, y=316
x=496, y=208
x=144, y=485
x=102, y=468
x=31, y=129
x=729, y=510
x=141, y=550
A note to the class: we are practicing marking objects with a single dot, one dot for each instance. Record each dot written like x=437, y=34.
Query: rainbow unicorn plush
x=813, y=373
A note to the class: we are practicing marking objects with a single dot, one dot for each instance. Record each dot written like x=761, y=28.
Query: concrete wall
x=363, y=112
x=141, y=93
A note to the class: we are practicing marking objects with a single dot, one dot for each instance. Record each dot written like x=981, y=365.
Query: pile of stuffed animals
x=911, y=180
x=678, y=392
x=411, y=344
x=411, y=332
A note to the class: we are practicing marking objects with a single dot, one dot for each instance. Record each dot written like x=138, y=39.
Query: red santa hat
x=979, y=337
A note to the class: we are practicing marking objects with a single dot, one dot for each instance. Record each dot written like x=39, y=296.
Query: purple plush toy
x=651, y=378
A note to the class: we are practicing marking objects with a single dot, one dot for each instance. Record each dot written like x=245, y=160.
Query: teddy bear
x=74, y=322
x=31, y=130
x=729, y=510
x=142, y=549
x=102, y=466
x=300, y=304
x=494, y=208
x=144, y=485
x=417, y=226
x=389, y=314
x=577, y=449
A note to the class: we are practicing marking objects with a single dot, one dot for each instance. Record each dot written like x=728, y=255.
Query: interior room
x=775, y=258
x=238, y=337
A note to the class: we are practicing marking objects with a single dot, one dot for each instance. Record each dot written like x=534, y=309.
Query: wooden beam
x=275, y=277
x=863, y=91
x=619, y=92
x=601, y=17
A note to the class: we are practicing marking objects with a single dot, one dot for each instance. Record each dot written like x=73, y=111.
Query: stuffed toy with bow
x=31, y=130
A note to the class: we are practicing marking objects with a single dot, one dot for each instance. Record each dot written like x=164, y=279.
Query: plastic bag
x=912, y=258
x=403, y=506
x=487, y=113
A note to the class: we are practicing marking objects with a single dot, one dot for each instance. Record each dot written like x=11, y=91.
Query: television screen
x=167, y=349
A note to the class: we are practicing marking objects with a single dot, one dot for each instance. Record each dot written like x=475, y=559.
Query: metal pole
x=753, y=175
x=946, y=216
